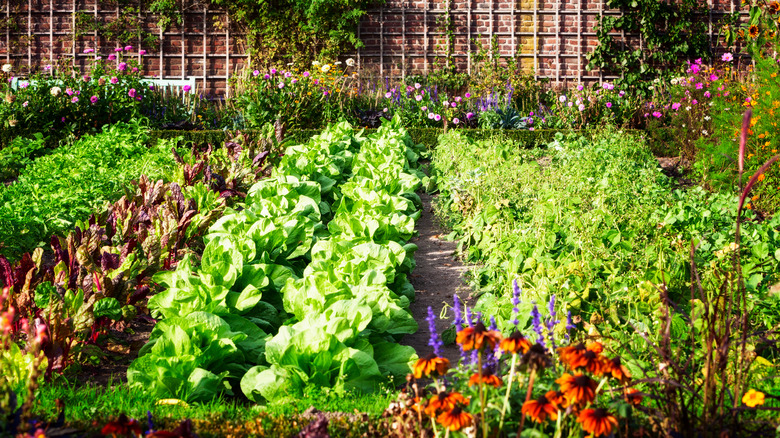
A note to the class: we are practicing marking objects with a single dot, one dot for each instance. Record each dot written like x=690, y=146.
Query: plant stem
x=481, y=395
x=508, y=388
x=527, y=397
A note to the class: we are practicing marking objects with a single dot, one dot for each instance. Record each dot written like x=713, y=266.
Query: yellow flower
x=753, y=398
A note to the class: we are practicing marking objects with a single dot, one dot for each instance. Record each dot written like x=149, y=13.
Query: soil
x=120, y=352
x=436, y=278
x=676, y=168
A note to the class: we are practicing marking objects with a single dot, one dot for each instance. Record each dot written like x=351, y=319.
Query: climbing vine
x=671, y=33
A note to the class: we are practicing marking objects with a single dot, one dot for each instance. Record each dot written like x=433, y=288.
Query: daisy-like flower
x=430, y=366
x=445, y=401
x=578, y=388
x=727, y=57
x=753, y=398
x=350, y=62
x=558, y=398
x=618, y=370
x=592, y=360
x=55, y=91
x=455, y=419
x=633, y=396
x=515, y=343
x=536, y=357
x=774, y=8
x=487, y=377
x=325, y=68
x=597, y=422
x=7, y=68
x=753, y=31
x=477, y=337
x=540, y=409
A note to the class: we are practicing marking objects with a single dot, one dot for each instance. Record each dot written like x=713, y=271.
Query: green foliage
x=593, y=221
x=19, y=153
x=671, y=32
x=67, y=185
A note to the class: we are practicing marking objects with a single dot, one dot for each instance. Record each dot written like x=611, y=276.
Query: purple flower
x=114, y=80
x=266, y=76
x=186, y=88
x=469, y=317
x=457, y=311
x=111, y=57
x=132, y=92
x=537, y=323
x=93, y=99
x=609, y=104
x=434, y=340
x=151, y=87
x=569, y=324
x=122, y=66
x=622, y=93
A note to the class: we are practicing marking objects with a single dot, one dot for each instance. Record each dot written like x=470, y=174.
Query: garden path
x=437, y=276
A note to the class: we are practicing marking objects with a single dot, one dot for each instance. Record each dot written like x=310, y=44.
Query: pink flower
x=430, y=115
x=25, y=103
x=89, y=50
x=388, y=95
x=135, y=70
x=306, y=74
x=676, y=106
x=186, y=88
x=69, y=91
x=114, y=80
x=128, y=48
x=727, y=57
x=266, y=76
x=458, y=99
x=694, y=101
x=93, y=99
x=609, y=104
x=142, y=52
x=122, y=66
x=437, y=117
x=469, y=115
x=456, y=120
x=453, y=104
x=713, y=77
x=417, y=85
x=287, y=74
x=657, y=114
x=273, y=71
x=707, y=94
x=74, y=100
x=384, y=110
x=467, y=95
x=699, y=85
x=256, y=73
x=581, y=107
x=425, y=108
x=118, y=49
x=418, y=98
x=281, y=85
x=111, y=57
x=132, y=92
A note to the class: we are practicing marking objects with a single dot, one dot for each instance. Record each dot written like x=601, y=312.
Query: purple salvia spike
x=434, y=341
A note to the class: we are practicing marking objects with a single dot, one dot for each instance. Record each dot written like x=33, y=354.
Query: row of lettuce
x=305, y=284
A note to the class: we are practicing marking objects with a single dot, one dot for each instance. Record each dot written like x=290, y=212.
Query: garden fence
x=548, y=38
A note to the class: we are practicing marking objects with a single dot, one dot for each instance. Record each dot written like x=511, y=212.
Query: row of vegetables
x=304, y=284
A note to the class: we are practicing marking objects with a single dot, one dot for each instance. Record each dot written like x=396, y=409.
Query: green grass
x=88, y=407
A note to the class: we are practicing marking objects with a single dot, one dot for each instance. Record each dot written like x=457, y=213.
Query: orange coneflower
x=591, y=361
x=571, y=354
x=558, y=398
x=539, y=409
x=445, y=401
x=536, y=357
x=431, y=365
x=455, y=419
x=753, y=31
x=597, y=422
x=618, y=370
x=487, y=377
x=515, y=343
x=474, y=338
x=633, y=396
x=578, y=388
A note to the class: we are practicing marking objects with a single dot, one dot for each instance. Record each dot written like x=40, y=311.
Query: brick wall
x=549, y=38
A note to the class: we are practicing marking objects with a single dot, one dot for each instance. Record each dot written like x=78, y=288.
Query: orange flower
x=591, y=360
x=558, y=398
x=753, y=31
x=597, y=422
x=753, y=398
x=431, y=365
x=571, y=354
x=445, y=401
x=578, y=388
x=515, y=343
x=633, y=396
x=540, y=409
x=475, y=338
x=487, y=377
x=455, y=419
x=618, y=370
x=774, y=7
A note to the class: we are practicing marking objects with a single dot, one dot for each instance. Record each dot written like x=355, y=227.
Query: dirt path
x=436, y=278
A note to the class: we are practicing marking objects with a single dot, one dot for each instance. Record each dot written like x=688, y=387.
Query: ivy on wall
x=276, y=30
x=671, y=33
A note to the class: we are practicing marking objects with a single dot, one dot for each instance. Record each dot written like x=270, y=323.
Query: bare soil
x=437, y=277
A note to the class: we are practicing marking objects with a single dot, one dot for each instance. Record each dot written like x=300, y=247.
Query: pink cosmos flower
x=273, y=71
x=456, y=120
x=306, y=74
x=75, y=99
x=657, y=114
x=467, y=95
x=727, y=57
x=469, y=115
x=418, y=97
x=388, y=95
x=132, y=92
x=437, y=117
x=186, y=88
x=118, y=49
x=676, y=106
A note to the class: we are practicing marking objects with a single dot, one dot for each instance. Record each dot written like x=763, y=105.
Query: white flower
x=7, y=68
x=707, y=118
x=651, y=88
x=562, y=99
x=704, y=132
x=350, y=62
x=315, y=63
x=290, y=63
x=55, y=91
x=325, y=68
x=687, y=108
x=337, y=63
x=12, y=122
